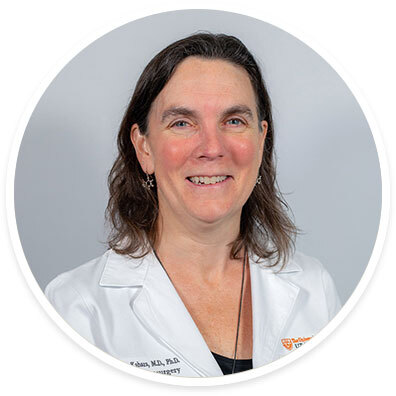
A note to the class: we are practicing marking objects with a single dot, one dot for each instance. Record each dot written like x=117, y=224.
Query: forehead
x=209, y=83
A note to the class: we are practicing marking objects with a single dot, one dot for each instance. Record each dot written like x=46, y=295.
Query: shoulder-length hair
x=132, y=210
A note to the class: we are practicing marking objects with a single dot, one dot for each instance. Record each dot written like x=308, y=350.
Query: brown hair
x=265, y=228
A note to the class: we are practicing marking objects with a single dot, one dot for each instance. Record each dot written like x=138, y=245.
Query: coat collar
x=122, y=271
x=161, y=311
x=291, y=265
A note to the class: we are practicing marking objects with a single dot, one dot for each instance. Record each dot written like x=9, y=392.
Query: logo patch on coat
x=289, y=343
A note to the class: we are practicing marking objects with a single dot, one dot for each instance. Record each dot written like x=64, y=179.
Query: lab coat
x=130, y=309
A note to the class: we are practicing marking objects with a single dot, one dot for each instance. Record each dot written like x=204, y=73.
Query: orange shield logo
x=287, y=343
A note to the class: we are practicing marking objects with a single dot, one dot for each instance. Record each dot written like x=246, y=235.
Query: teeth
x=207, y=180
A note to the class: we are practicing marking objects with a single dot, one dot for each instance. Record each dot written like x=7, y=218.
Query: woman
x=200, y=278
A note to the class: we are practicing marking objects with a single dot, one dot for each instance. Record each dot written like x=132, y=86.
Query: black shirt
x=226, y=364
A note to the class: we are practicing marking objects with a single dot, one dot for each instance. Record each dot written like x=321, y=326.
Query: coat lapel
x=163, y=314
x=273, y=300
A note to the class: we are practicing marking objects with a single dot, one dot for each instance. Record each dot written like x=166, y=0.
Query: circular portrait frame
x=19, y=243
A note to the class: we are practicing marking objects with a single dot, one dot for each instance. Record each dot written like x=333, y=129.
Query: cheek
x=172, y=155
x=245, y=151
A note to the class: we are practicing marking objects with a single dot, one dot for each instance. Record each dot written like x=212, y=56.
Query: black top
x=226, y=364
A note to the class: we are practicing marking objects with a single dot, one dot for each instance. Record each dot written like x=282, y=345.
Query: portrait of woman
x=201, y=277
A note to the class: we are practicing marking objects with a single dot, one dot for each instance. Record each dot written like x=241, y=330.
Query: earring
x=258, y=180
x=149, y=182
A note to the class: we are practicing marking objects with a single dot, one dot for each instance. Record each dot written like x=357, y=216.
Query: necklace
x=240, y=303
x=240, y=311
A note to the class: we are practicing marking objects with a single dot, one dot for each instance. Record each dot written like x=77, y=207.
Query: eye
x=180, y=124
x=182, y=127
x=235, y=122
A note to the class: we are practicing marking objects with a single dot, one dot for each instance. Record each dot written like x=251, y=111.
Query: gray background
x=328, y=166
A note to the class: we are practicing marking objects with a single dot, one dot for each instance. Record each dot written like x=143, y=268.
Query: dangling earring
x=258, y=180
x=149, y=182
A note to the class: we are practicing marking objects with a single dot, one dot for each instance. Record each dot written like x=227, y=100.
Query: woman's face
x=204, y=143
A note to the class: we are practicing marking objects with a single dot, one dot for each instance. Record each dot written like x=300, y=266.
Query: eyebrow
x=239, y=109
x=186, y=112
x=178, y=111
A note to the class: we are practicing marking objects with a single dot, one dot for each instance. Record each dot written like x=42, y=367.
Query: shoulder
x=312, y=277
x=70, y=293
x=76, y=289
x=307, y=265
x=80, y=278
x=89, y=281
x=306, y=270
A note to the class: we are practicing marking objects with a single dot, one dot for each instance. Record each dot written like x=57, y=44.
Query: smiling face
x=203, y=142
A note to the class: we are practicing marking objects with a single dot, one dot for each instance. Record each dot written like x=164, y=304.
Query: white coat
x=130, y=309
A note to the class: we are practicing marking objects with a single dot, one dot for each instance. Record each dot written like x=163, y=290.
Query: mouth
x=207, y=180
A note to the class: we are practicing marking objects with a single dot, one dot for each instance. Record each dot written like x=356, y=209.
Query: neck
x=200, y=247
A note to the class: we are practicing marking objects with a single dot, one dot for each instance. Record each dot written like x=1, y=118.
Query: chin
x=211, y=215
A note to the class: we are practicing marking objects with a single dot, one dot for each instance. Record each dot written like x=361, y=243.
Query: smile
x=201, y=180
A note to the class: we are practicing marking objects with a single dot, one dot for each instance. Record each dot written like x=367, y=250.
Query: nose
x=211, y=143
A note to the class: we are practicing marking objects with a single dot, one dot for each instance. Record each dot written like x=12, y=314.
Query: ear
x=263, y=134
x=142, y=148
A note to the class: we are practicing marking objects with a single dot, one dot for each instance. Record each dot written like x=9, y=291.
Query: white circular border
x=188, y=381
